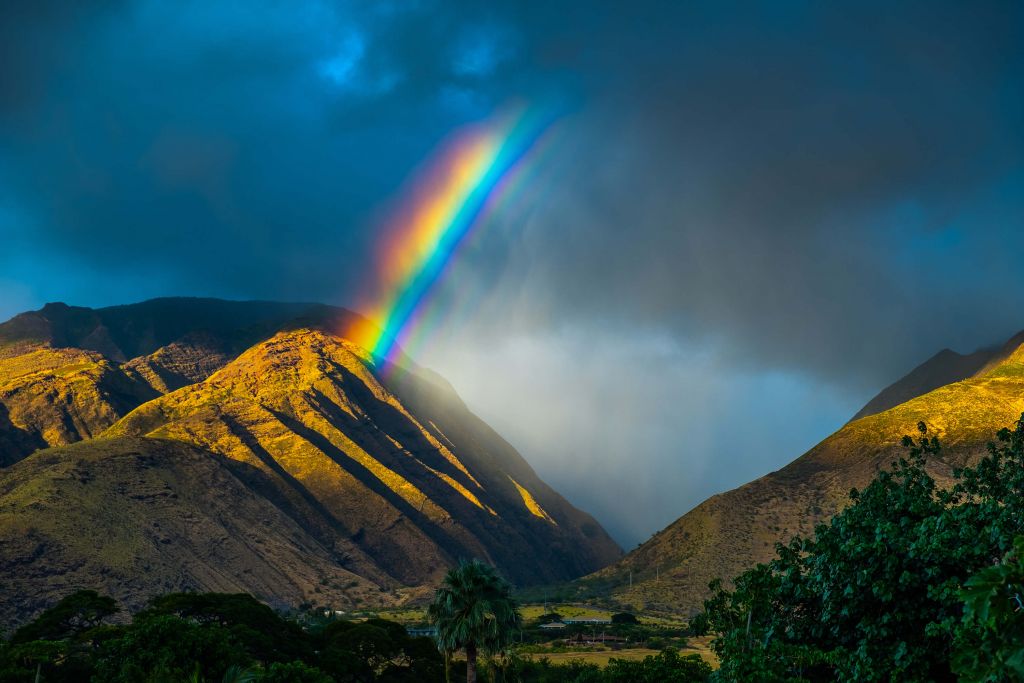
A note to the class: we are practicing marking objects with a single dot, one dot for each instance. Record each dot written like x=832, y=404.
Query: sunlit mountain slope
x=732, y=531
x=255, y=427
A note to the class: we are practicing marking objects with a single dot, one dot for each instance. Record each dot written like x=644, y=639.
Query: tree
x=167, y=647
x=233, y=674
x=989, y=640
x=665, y=667
x=550, y=617
x=377, y=650
x=624, y=618
x=32, y=660
x=474, y=610
x=294, y=672
x=75, y=614
x=876, y=594
x=990, y=645
x=60, y=642
x=265, y=635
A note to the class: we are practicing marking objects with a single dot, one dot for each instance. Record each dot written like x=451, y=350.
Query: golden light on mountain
x=383, y=485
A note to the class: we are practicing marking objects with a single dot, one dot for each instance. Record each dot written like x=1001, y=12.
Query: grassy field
x=530, y=613
x=402, y=616
x=695, y=646
x=700, y=646
x=599, y=657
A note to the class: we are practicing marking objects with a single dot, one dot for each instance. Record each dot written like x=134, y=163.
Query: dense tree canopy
x=878, y=593
x=73, y=615
x=208, y=637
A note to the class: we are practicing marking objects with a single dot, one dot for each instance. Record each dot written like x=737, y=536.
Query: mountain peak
x=729, y=533
x=945, y=367
x=387, y=475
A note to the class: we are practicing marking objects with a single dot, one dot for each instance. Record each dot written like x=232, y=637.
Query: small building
x=554, y=625
x=422, y=631
x=588, y=621
x=592, y=639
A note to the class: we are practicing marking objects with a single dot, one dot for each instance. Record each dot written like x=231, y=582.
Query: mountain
x=945, y=367
x=246, y=446
x=67, y=373
x=133, y=517
x=732, y=531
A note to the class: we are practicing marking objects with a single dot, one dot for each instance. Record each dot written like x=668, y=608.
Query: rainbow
x=465, y=183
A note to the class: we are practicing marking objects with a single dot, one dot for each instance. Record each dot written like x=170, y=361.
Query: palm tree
x=234, y=674
x=474, y=610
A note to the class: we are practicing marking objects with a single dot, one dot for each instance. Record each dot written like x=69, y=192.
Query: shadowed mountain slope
x=730, y=532
x=298, y=437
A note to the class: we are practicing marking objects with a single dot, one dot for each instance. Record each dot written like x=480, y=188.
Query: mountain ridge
x=377, y=472
x=731, y=531
x=945, y=367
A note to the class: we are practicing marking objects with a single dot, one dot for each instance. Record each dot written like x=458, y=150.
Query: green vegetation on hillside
x=910, y=582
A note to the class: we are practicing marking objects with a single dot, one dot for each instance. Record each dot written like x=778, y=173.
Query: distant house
x=582, y=638
x=588, y=621
x=554, y=625
x=422, y=631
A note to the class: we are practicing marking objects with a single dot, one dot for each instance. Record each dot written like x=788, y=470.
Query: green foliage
x=265, y=635
x=624, y=618
x=207, y=638
x=294, y=672
x=876, y=594
x=474, y=610
x=543, y=671
x=359, y=653
x=21, y=662
x=240, y=674
x=72, y=616
x=163, y=647
x=378, y=650
x=990, y=645
x=60, y=642
x=665, y=667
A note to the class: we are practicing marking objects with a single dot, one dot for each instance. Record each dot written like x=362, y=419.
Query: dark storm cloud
x=731, y=171
x=838, y=191
x=243, y=146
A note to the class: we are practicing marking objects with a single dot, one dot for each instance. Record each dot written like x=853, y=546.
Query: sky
x=750, y=218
